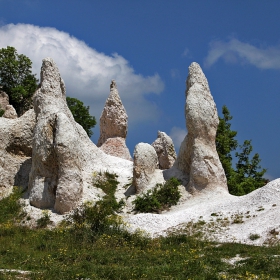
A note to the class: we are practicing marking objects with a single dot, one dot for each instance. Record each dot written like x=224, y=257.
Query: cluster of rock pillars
x=50, y=155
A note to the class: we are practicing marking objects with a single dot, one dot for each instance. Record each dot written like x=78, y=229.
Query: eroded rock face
x=55, y=178
x=116, y=147
x=4, y=100
x=113, y=126
x=10, y=112
x=198, y=158
x=165, y=150
x=16, y=151
x=145, y=163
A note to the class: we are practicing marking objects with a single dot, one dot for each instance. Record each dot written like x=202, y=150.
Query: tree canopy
x=81, y=114
x=247, y=174
x=17, y=79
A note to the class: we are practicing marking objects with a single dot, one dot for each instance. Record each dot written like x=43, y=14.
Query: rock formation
x=165, y=150
x=55, y=178
x=113, y=126
x=145, y=163
x=10, y=112
x=63, y=156
x=4, y=100
x=198, y=158
x=15, y=151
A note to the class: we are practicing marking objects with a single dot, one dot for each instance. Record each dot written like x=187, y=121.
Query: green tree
x=81, y=114
x=225, y=141
x=247, y=174
x=17, y=79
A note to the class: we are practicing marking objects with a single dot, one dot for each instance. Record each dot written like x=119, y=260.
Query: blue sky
x=147, y=46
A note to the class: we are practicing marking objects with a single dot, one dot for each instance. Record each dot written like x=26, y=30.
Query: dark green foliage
x=44, y=220
x=17, y=79
x=225, y=141
x=160, y=198
x=247, y=174
x=81, y=114
x=1, y=112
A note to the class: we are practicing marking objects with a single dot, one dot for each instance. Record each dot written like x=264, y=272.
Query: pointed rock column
x=113, y=126
x=198, y=158
x=55, y=178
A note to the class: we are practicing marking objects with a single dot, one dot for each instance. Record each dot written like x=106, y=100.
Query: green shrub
x=101, y=216
x=160, y=198
x=44, y=220
x=1, y=112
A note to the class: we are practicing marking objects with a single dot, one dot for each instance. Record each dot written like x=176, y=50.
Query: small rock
x=165, y=150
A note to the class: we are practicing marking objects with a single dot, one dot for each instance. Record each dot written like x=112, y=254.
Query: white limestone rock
x=55, y=178
x=4, y=100
x=64, y=158
x=145, y=168
x=15, y=151
x=116, y=147
x=165, y=150
x=10, y=112
x=113, y=124
x=198, y=159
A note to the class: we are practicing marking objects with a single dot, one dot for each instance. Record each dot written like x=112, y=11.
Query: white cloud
x=236, y=51
x=177, y=134
x=87, y=73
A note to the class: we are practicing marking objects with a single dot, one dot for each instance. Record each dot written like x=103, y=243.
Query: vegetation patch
x=160, y=198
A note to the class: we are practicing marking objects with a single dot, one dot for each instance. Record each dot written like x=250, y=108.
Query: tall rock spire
x=113, y=126
x=198, y=158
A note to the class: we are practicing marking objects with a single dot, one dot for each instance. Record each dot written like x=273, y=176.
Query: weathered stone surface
x=113, y=120
x=64, y=158
x=15, y=151
x=145, y=163
x=198, y=158
x=116, y=147
x=55, y=178
x=113, y=124
x=165, y=150
x=10, y=112
x=4, y=100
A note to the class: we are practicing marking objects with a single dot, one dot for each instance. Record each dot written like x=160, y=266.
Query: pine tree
x=247, y=174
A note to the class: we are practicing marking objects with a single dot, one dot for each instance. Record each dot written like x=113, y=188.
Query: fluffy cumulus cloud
x=177, y=134
x=235, y=51
x=87, y=73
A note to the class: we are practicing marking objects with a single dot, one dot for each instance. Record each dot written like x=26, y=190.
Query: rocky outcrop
x=165, y=150
x=113, y=126
x=15, y=151
x=55, y=178
x=4, y=100
x=145, y=164
x=10, y=112
x=63, y=156
x=198, y=158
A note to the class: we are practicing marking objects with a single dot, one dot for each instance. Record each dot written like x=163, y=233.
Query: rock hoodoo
x=145, y=164
x=4, y=100
x=113, y=126
x=55, y=178
x=198, y=158
x=165, y=150
x=15, y=151
x=10, y=112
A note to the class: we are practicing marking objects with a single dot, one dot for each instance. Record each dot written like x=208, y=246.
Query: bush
x=160, y=198
x=101, y=216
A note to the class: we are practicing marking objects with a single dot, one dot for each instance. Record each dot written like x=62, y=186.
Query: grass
x=113, y=253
